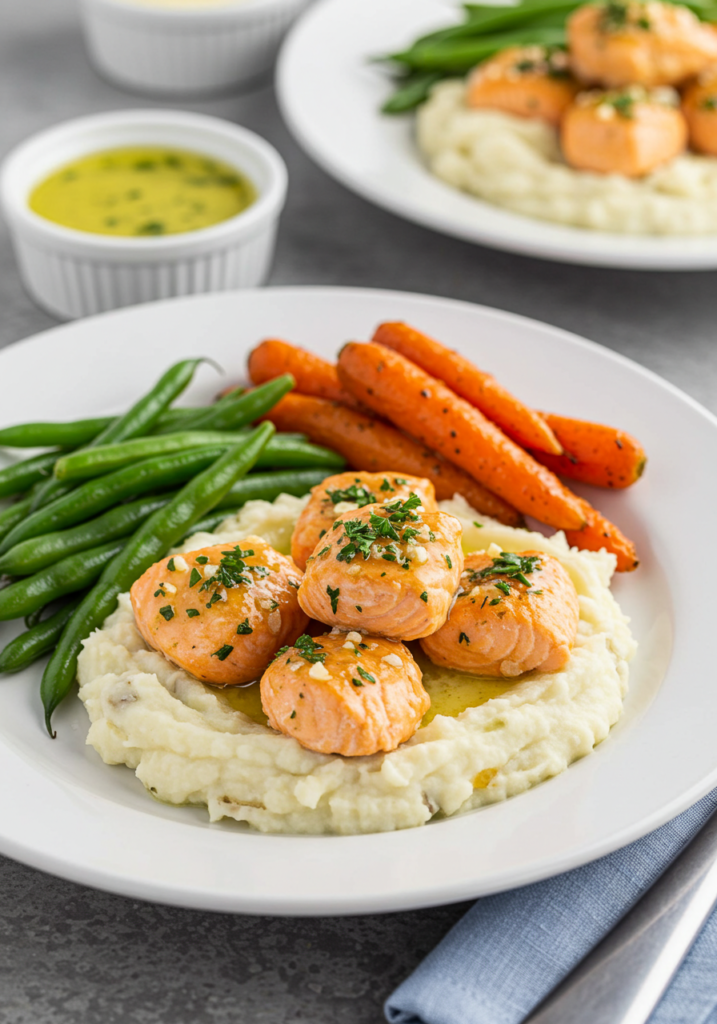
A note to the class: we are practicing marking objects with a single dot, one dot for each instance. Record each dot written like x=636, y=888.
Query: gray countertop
x=69, y=954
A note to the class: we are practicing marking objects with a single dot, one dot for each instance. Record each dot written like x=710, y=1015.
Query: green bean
x=21, y=476
x=237, y=409
x=97, y=461
x=13, y=514
x=94, y=496
x=76, y=433
x=32, y=555
x=138, y=420
x=463, y=54
x=41, y=638
x=412, y=92
x=151, y=541
x=268, y=486
x=65, y=577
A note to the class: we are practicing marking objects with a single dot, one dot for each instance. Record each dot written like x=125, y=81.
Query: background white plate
x=330, y=96
x=63, y=810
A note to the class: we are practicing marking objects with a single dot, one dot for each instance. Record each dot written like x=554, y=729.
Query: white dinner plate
x=331, y=93
x=63, y=810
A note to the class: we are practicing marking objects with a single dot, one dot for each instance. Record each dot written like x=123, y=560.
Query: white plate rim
x=504, y=230
x=37, y=847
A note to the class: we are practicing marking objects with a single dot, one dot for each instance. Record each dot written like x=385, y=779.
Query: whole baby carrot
x=427, y=409
x=594, y=453
x=313, y=375
x=526, y=427
x=599, y=533
x=369, y=444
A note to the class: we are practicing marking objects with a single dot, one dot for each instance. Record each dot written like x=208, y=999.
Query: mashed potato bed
x=516, y=163
x=187, y=745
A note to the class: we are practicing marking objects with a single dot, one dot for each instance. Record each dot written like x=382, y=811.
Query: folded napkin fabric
x=509, y=951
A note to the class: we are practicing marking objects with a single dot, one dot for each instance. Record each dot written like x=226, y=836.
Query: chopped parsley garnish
x=307, y=649
x=424, y=596
x=160, y=592
x=334, y=598
x=194, y=577
x=323, y=552
x=507, y=564
x=167, y=612
x=358, y=608
x=322, y=534
x=624, y=105
x=449, y=563
x=463, y=639
x=360, y=536
x=502, y=586
x=213, y=599
x=192, y=613
x=386, y=486
x=171, y=566
x=400, y=480
x=365, y=675
x=358, y=495
x=356, y=682
x=223, y=652
x=202, y=559
x=293, y=714
x=478, y=526
x=431, y=535
x=294, y=583
x=535, y=591
x=232, y=570
x=496, y=600
x=244, y=629
x=708, y=103
x=409, y=534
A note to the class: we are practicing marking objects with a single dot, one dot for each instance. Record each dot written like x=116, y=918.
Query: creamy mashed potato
x=188, y=745
x=516, y=163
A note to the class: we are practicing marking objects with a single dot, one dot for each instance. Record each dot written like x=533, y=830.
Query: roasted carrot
x=598, y=533
x=593, y=453
x=370, y=444
x=431, y=412
x=526, y=427
x=313, y=375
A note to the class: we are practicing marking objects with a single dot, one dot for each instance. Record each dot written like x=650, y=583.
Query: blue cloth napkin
x=510, y=950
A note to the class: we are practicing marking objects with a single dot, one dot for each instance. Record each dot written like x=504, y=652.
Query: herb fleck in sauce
x=142, y=192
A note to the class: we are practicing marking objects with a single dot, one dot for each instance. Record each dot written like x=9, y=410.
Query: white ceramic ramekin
x=74, y=273
x=187, y=50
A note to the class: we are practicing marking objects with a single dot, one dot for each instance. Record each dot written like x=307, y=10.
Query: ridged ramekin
x=75, y=273
x=189, y=51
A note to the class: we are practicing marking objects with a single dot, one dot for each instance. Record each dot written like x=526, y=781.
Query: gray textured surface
x=69, y=954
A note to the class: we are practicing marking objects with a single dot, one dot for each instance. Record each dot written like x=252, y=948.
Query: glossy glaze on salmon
x=629, y=132
x=516, y=613
x=345, y=694
x=618, y=44
x=221, y=612
x=346, y=492
x=528, y=81
x=388, y=570
x=699, y=105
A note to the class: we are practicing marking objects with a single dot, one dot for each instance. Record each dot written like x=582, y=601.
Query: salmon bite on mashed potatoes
x=351, y=744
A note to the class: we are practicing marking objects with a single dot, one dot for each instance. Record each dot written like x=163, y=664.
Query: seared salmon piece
x=528, y=81
x=631, y=132
x=222, y=612
x=345, y=694
x=699, y=105
x=617, y=44
x=388, y=570
x=347, y=492
x=516, y=613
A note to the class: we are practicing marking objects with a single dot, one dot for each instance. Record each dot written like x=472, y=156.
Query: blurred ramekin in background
x=75, y=273
x=171, y=49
